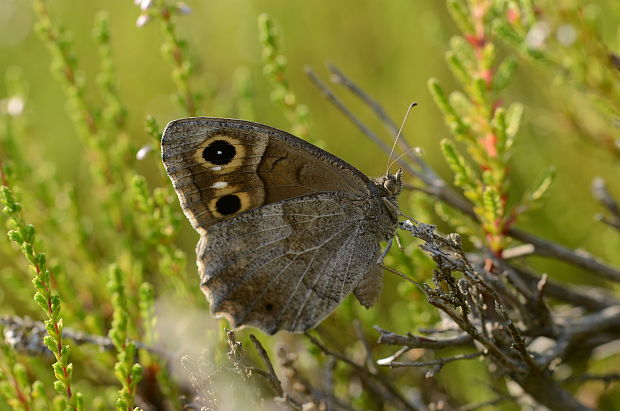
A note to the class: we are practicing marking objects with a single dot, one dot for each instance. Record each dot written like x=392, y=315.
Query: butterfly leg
x=387, y=250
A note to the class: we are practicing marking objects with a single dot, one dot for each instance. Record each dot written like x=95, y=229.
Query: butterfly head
x=392, y=183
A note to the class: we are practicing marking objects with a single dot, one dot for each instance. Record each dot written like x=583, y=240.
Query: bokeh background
x=390, y=48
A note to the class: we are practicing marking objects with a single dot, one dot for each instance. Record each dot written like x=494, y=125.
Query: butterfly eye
x=389, y=184
x=219, y=152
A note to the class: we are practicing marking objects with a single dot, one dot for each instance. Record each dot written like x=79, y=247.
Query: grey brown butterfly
x=287, y=229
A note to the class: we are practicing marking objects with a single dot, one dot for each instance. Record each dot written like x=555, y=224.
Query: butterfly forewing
x=221, y=168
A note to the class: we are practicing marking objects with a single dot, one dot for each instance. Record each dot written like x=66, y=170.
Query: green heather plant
x=49, y=301
x=517, y=306
x=275, y=70
x=478, y=118
x=128, y=373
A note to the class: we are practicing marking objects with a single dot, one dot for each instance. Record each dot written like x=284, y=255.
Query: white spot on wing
x=219, y=184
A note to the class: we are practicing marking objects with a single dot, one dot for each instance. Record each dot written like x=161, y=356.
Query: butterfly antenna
x=401, y=156
x=412, y=105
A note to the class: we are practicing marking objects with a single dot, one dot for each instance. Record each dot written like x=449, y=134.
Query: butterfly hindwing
x=288, y=264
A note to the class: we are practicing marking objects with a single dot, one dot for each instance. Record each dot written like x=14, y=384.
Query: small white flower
x=143, y=4
x=183, y=8
x=146, y=4
x=143, y=152
x=15, y=106
x=537, y=35
x=142, y=20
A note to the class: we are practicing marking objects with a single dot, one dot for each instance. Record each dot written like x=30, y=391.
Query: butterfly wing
x=288, y=264
x=223, y=167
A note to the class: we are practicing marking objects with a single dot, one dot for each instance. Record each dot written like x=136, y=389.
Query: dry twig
x=386, y=388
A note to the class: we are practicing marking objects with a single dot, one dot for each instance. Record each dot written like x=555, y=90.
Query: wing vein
x=310, y=289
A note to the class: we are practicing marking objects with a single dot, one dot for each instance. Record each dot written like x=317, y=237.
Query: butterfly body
x=287, y=230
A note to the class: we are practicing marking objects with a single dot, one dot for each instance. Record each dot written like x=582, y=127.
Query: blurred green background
x=390, y=48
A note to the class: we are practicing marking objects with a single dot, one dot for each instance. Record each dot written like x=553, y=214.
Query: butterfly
x=287, y=230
